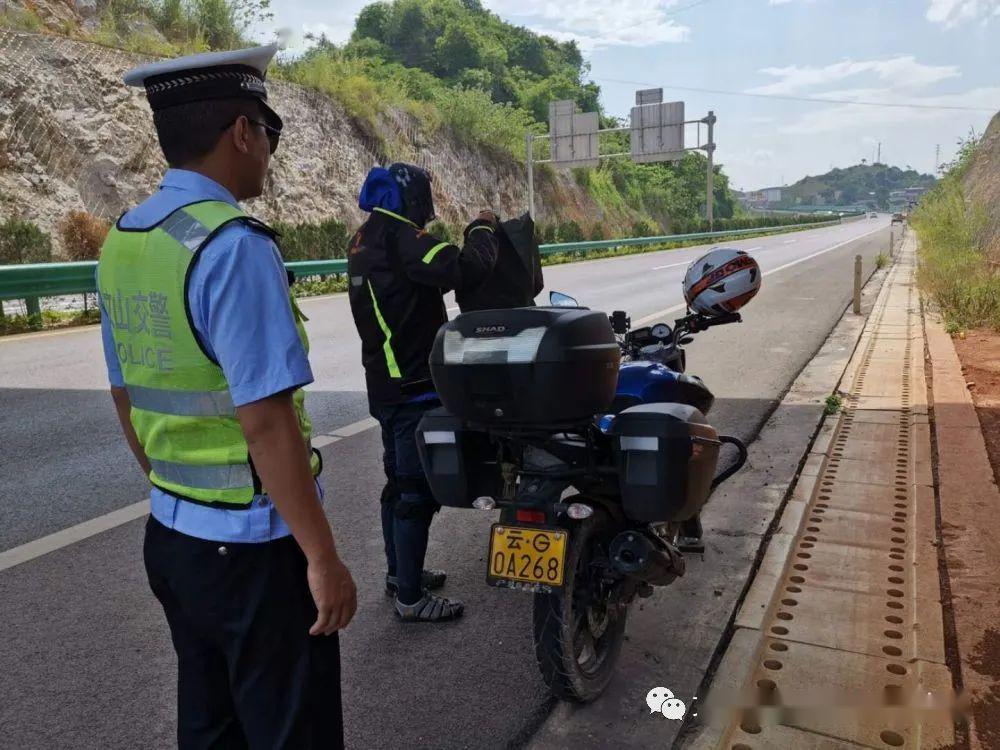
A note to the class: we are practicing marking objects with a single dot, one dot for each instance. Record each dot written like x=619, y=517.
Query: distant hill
x=865, y=184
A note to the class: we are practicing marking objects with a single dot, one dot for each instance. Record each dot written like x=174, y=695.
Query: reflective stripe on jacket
x=398, y=275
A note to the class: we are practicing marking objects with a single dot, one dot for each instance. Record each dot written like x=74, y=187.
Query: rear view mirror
x=558, y=299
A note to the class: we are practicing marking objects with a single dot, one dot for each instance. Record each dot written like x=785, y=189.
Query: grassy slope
x=958, y=266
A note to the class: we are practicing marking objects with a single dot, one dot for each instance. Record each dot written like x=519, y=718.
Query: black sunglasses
x=273, y=133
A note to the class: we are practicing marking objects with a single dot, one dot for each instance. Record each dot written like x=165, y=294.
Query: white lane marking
x=659, y=315
x=354, y=429
x=671, y=265
x=788, y=242
x=65, y=537
x=751, y=249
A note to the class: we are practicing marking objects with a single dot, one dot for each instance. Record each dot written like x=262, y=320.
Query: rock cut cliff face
x=982, y=185
x=73, y=137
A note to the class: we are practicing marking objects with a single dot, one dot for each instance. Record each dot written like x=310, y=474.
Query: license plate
x=526, y=558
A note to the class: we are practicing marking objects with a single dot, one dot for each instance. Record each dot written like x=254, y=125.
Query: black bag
x=517, y=276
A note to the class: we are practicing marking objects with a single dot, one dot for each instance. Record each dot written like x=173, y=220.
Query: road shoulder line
x=92, y=527
x=72, y=534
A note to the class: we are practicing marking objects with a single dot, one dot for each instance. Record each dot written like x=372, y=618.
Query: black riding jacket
x=398, y=275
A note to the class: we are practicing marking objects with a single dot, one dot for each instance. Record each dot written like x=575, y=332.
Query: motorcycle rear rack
x=737, y=465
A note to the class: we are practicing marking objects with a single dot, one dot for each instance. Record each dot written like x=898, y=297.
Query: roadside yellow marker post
x=857, y=285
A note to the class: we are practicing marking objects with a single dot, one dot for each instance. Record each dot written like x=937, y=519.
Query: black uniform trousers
x=249, y=673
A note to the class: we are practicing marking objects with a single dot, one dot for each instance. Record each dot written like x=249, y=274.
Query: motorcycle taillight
x=530, y=516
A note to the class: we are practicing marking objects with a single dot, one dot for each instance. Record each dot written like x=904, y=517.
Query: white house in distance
x=763, y=197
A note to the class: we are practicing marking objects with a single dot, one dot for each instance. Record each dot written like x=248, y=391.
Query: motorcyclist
x=398, y=274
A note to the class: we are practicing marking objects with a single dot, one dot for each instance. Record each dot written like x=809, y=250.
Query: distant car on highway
x=898, y=218
x=873, y=215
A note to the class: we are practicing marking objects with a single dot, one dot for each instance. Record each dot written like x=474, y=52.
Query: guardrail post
x=34, y=310
x=857, y=284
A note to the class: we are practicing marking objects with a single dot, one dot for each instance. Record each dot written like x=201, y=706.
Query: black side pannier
x=667, y=455
x=460, y=464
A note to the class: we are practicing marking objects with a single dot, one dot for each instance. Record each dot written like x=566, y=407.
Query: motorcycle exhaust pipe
x=646, y=559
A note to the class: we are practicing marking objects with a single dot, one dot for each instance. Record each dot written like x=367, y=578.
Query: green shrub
x=314, y=286
x=20, y=20
x=23, y=242
x=834, y=402
x=597, y=232
x=953, y=268
x=11, y=324
x=545, y=232
x=643, y=228
x=306, y=241
x=475, y=119
x=569, y=231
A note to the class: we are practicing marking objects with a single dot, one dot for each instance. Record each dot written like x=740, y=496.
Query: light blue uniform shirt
x=238, y=296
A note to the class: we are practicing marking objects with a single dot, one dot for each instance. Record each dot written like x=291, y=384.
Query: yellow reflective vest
x=182, y=410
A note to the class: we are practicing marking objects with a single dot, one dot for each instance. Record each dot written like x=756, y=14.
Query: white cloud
x=951, y=13
x=856, y=117
x=596, y=24
x=902, y=71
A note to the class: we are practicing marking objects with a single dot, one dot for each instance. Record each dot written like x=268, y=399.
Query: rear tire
x=580, y=629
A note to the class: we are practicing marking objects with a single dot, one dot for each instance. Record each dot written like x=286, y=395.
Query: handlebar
x=621, y=324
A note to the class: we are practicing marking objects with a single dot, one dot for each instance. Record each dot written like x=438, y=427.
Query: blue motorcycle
x=592, y=442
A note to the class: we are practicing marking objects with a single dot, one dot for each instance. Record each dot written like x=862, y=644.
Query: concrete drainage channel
x=840, y=642
x=745, y=512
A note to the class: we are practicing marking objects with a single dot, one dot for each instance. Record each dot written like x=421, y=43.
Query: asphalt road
x=87, y=660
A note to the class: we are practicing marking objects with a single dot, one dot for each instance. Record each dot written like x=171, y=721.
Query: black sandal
x=430, y=608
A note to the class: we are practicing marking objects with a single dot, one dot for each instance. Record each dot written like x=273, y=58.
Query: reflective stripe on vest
x=182, y=408
x=182, y=403
x=218, y=477
x=186, y=229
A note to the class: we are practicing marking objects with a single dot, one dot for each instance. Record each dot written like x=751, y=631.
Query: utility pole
x=529, y=142
x=710, y=150
x=937, y=158
x=878, y=160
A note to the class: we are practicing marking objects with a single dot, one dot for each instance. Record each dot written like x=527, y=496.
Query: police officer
x=207, y=357
x=398, y=274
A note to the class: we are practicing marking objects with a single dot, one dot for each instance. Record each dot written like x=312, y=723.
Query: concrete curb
x=969, y=502
x=833, y=365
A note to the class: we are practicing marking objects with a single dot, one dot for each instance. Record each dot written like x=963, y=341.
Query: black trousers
x=249, y=673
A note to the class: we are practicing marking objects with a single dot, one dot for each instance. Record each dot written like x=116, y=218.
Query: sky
x=714, y=54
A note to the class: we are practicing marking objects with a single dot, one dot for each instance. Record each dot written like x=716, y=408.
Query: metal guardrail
x=32, y=281
x=579, y=247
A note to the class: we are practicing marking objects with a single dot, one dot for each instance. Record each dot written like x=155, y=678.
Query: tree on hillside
x=465, y=44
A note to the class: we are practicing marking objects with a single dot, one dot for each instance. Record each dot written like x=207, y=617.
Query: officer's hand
x=334, y=593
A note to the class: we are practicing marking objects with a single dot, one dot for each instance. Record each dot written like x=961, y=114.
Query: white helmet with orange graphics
x=721, y=282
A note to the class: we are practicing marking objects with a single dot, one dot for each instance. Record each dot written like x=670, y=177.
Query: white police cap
x=233, y=74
